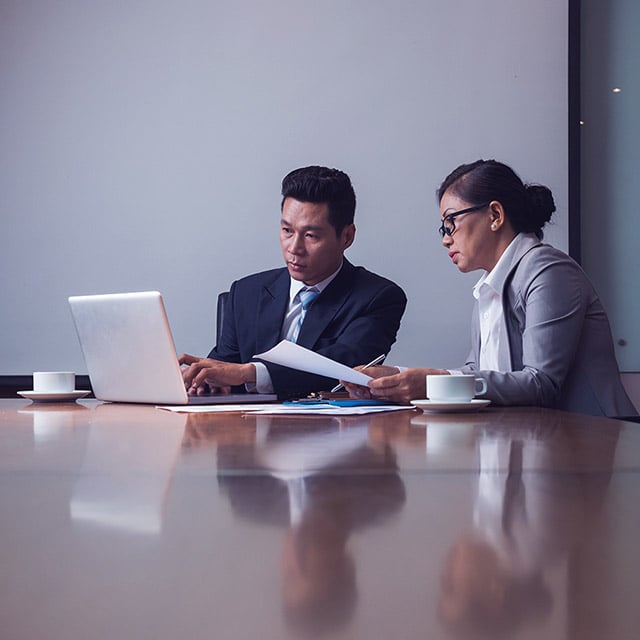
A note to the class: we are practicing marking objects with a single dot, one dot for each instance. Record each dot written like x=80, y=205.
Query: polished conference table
x=128, y=521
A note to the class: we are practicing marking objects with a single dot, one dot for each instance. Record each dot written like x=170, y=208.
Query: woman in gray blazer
x=540, y=335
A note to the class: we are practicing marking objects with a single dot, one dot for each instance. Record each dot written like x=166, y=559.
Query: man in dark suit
x=319, y=300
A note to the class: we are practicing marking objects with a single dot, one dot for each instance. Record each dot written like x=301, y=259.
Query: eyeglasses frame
x=444, y=231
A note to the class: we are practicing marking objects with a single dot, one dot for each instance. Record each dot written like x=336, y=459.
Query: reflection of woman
x=540, y=335
x=493, y=579
x=533, y=509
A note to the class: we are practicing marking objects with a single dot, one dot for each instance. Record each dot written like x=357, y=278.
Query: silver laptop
x=129, y=351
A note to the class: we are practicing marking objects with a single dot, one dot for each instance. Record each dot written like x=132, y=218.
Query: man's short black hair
x=323, y=185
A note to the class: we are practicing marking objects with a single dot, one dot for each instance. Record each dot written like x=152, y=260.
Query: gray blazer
x=560, y=341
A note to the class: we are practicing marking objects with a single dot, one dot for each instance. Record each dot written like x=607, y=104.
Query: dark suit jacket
x=357, y=491
x=352, y=321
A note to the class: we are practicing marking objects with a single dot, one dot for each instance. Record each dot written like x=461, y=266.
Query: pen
x=373, y=363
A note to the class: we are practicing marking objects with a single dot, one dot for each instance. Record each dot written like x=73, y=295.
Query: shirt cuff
x=263, y=383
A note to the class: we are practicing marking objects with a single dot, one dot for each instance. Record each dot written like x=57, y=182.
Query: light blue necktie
x=306, y=296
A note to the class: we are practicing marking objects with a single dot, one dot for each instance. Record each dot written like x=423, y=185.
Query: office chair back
x=222, y=303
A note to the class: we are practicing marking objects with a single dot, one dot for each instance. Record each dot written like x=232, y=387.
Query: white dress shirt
x=263, y=382
x=299, y=456
x=488, y=291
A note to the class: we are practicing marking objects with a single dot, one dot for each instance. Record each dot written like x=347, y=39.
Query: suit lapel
x=272, y=305
x=327, y=305
x=523, y=250
x=514, y=324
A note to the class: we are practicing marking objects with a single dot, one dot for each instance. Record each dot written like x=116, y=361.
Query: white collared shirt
x=299, y=456
x=263, y=382
x=295, y=305
x=488, y=291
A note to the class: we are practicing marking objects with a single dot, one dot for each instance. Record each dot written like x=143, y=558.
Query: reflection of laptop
x=129, y=351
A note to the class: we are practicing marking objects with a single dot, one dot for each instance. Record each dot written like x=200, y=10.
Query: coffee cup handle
x=483, y=386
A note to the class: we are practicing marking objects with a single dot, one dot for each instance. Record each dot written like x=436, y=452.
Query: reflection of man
x=320, y=482
x=319, y=300
x=531, y=508
x=318, y=574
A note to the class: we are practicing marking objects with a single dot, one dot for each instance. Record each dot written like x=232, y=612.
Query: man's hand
x=205, y=375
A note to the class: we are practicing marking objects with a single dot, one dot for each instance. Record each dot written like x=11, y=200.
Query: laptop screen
x=129, y=350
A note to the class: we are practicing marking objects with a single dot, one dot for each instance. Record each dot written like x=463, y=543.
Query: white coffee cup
x=451, y=388
x=54, y=381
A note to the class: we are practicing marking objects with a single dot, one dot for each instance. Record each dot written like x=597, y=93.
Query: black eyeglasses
x=448, y=226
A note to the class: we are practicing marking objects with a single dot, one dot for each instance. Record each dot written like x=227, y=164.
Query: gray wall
x=142, y=146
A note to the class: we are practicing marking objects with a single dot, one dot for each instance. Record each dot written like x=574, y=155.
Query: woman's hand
x=361, y=392
x=403, y=387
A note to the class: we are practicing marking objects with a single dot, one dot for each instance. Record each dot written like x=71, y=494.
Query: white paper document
x=290, y=354
x=328, y=410
x=286, y=409
x=212, y=408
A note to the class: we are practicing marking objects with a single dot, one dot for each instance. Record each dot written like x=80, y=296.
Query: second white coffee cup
x=54, y=381
x=448, y=388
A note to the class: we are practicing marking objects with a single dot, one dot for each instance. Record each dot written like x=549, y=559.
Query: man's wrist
x=248, y=373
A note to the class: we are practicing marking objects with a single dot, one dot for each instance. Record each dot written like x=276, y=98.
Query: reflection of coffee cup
x=51, y=420
x=449, y=432
x=452, y=388
x=48, y=425
x=54, y=381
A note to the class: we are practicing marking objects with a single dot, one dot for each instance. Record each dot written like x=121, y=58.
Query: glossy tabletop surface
x=127, y=521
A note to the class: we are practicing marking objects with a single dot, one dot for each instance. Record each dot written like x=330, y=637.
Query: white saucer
x=450, y=407
x=38, y=396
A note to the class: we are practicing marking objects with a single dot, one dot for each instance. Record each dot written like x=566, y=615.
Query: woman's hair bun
x=540, y=204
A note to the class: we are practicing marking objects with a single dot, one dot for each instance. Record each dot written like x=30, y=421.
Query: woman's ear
x=498, y=217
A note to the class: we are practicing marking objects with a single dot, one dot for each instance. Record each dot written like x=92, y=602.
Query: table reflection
x=526, y=522
x=318, y=482
x=500, y=524
x=53, y=422
x=127, y=469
